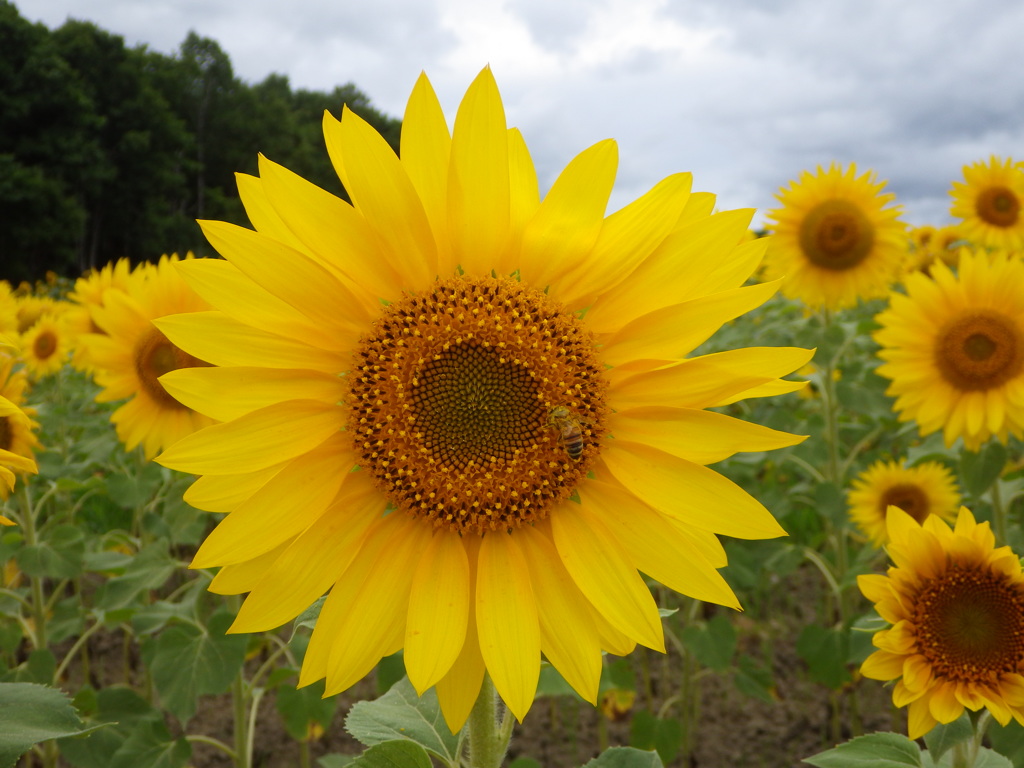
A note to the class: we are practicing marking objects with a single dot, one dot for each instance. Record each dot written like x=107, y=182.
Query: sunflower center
x=970, y=624
x=154, y=356
x=908, y=497
x=998, y=206
x=979, y=350
x=44, y=345
x=452, y=397
x=836, y=235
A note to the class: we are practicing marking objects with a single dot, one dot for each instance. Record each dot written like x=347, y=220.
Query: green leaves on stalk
x=32, y=713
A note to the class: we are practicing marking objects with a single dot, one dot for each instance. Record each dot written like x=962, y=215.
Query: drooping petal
x=507, y=623
x=690, y=492
x=439, y=608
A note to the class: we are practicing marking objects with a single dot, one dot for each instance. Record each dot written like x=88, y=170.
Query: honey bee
x=570, y=431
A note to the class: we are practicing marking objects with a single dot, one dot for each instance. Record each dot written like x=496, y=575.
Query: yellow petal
x=241, y=577
x=882, y=665
x=507, y=623
x=458, y=690
x=294, y=278
x=653, y=545
x=627, y=238
x=569, y=636
x=703, y=437
x=943, y=703
x=235, y=343
x=919, y=719
x=426, y=148
x=222, y=493
x=384, y=195
x=204, y=389
x=439, y=606
x=224, y=286
x=374, y=624
x=674, y=331
x=694, y=494
x=313, y=561
x=252, y=192
x=257, y=440
x=688, y=263
x=603, y=573
x=560, y=236
x=288, y=504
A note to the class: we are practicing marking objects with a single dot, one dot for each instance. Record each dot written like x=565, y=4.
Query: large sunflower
x=836, y=239
x=953, y=347
x=88, y=295
x=927, y=489
x=419, y=394
x=989, y=201
x=956, y=605
x=130, y=354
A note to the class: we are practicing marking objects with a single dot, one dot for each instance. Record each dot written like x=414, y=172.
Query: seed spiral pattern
x=979, y=350
x=450, y=397
x=969, y=624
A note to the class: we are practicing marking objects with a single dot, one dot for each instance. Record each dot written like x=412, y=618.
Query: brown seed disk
x=45, y=344
x=450, y=398
x=998, y=206
x=908, y=497
x=836, y=235
x=154, y=356
x=969, y=624
x=979, y=350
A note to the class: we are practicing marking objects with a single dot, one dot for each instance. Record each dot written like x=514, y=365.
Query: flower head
x=45, y=345
x=836, y=239
x=956, y=605
x=953, y=348
x=131, y=353
x=989, y=201
x=418, y=394
x=921, y=491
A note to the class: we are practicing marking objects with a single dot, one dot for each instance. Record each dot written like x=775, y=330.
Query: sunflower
x=45, y=346
x=956, y=603
x=989, y=201
x=17, y=424
x=131, y=354
x=836, y=241
x=87, y=295
x=418, y=394
x=921, y=491
x=953, y=347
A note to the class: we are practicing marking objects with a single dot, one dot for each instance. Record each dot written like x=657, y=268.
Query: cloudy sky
x=743, y=93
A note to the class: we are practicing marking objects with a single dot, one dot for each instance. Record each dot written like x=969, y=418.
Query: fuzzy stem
x=486, y=745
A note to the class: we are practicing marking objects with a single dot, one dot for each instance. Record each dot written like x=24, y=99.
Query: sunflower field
x=460, y=474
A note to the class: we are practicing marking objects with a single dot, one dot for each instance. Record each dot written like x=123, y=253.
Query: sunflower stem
x=487, y=745
x=998, y=513
x=28, y=525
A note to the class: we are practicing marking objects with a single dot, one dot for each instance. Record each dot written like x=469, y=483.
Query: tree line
x=108, y=151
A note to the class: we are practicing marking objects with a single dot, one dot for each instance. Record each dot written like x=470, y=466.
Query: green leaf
x=987, y=758
x=625, y=757
x=755, y=680
x=30, y=714
x=401, y=714
x=188, y=662
x=831, y=503
x=334, y=761
x=149, y=569
x=825, y=651
x=60, y=556
x=40, y=667
x=303, y=706
x=126, y=713
x=941, y=738
x=524, y=762
x=712, y=644
x=307, y=619
x=390, y=670
x=1008, y=740
x=876, y=750
x=150, y=747
x=399, y=753
x=662, y=734
x=979, y=470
